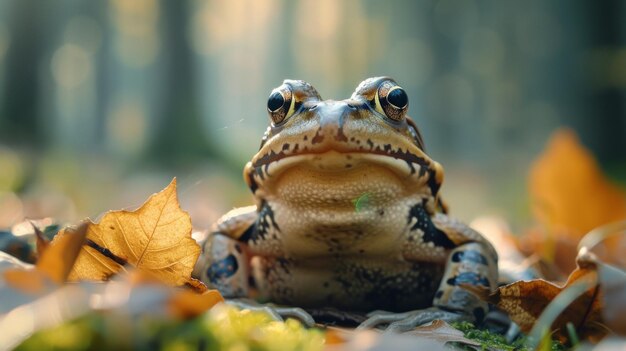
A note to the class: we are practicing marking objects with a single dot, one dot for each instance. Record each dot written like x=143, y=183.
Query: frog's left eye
x=392, y=101
x=280, y=104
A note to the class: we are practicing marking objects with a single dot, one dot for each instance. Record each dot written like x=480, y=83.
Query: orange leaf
x=335, y=336
x=54, y=265
x=569, y=193
x=186, y=304
x=59, y=257
x=28, y=281
x=569, y=196
x=155, y=238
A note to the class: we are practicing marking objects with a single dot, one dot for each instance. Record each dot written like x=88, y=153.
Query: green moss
x=491, y=341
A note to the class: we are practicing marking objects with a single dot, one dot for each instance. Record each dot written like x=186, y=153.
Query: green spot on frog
x=362, y=202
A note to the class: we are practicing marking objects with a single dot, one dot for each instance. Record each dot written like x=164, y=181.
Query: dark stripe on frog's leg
x=263, y=225
x=247, y=234
x=252, y=184
x=479, y=313
x=468, y=278
x=467, y=264
x=424, y=223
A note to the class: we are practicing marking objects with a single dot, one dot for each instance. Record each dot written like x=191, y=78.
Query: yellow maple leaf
x=155, y=238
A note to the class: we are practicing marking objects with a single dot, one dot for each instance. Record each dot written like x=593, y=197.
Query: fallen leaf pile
x=570, y=197
x=131, y=262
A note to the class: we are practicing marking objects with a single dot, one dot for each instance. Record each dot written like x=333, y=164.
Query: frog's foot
x=276, y=312
x=406, y=321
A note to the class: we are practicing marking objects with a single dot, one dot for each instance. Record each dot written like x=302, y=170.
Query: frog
x=348, y=215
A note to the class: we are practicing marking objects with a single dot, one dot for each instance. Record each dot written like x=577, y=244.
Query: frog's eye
x=392, y=101
x=280, y=104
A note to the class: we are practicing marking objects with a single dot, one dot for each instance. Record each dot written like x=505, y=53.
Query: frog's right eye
x=280, y=104
x=391, y=100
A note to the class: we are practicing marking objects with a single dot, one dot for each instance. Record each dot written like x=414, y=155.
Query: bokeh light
x=103, y=102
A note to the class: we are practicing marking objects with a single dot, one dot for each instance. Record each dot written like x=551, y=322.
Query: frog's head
x=325, y=141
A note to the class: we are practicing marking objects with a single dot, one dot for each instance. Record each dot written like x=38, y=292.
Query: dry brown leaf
x=53, y=266
x=186, y=304
x=569, y=193
x=524, y=301
x=155, y=238
x=59, y=258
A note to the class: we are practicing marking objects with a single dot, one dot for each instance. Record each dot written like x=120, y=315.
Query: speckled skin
x=347, y=213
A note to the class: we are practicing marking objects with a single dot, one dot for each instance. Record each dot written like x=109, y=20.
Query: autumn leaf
x=53, y=266
x=525, y=301
x=569, y=190
x=569, y=196
x=155, y=238
x=185, y=304
x=57, y=259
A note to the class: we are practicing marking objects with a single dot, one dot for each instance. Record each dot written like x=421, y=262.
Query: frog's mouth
x=328, y=164
x=414, y=162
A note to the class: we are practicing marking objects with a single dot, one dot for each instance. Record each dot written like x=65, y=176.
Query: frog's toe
x=294, y=312
x=406, y=321
x=276, y=312
x=381, y=318
x=379, y=312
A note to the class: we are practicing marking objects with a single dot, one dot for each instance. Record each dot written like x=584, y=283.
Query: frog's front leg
x=471, y=263
x=225, y=265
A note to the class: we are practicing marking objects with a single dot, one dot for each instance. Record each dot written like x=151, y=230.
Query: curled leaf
x=53, y=266
x=59, y=258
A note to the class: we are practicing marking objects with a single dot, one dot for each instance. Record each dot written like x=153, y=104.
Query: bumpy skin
x=348, y=216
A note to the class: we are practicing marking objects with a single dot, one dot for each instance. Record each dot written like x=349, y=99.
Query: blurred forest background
x=102, y=102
